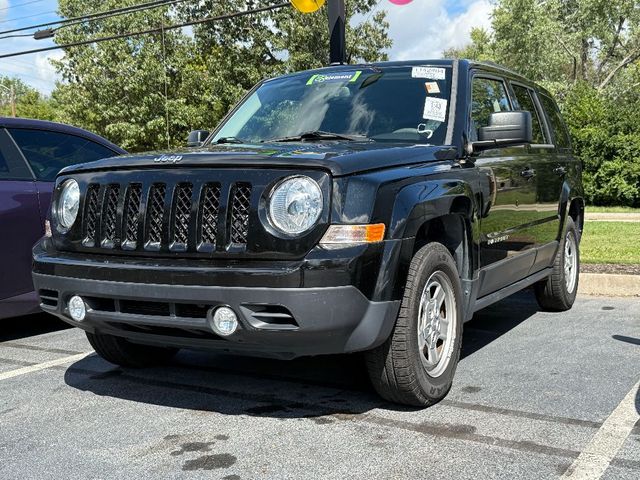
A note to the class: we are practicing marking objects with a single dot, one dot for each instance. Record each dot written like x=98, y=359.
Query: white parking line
x=42, y=366
x=605, y=444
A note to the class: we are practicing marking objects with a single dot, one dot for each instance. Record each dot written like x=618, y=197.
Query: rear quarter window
x=556, y=123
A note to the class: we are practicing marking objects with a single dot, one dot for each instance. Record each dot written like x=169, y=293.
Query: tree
x=562, y=41
x=29, y=102
x=147, y=92
x=480, y=48
x=587, y=53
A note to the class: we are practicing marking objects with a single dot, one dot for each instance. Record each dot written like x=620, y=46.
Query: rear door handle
x=528, y=173
x=560, y=170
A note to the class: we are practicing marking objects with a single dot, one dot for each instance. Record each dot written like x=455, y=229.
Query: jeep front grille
x=184, y=217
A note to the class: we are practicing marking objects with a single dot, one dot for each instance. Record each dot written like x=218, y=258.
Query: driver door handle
x=559, y=170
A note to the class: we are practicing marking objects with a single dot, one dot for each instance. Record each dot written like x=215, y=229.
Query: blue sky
x=422, y=29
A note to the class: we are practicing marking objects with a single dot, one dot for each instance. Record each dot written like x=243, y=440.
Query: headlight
x=295, y=205
x=68, y=204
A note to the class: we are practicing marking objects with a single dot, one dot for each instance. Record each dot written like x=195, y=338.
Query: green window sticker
x=341, y=77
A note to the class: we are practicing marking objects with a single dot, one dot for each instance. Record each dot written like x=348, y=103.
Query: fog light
x=224, y=321
x=77, y=308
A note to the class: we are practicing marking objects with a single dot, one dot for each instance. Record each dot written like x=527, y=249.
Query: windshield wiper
x=228, y=140
x=319, y=135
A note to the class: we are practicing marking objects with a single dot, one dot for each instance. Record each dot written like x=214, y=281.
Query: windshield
x=392, y=104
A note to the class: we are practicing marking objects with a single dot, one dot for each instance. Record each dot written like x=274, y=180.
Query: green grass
x=611, y=242
x=591, y=209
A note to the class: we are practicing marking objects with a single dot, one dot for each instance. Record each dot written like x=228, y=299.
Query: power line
x=21, y=4
x=98, y=15
x=153, y=30
x=17, y=36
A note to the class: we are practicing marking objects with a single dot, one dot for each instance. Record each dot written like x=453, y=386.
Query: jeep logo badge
x=168, y=159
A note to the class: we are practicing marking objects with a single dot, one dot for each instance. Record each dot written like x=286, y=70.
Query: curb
x=607, y=284
x=612, y=217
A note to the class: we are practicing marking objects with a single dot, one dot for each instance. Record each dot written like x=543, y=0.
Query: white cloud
x=45, y=71
x=4, y=8
x=34, y=70
x=425, y=28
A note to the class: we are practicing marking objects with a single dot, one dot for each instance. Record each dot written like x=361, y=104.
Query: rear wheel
x=122, y=352
x=558, y=292
x=415, y=366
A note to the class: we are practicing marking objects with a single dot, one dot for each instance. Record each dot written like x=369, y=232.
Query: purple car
x=32, y=152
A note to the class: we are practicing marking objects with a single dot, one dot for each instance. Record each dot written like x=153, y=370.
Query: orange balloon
x=307, y=6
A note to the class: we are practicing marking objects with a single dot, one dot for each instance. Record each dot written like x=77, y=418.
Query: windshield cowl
x=316, y=136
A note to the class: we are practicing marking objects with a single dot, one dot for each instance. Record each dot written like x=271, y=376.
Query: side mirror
x=197, y=138
x=505, y=129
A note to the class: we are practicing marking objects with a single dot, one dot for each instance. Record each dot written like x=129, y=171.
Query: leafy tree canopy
x=587, y=52
x=131, y=90
x=29, y=102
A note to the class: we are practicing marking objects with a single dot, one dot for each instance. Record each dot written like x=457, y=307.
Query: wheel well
x=452, y=232
x=576, y=212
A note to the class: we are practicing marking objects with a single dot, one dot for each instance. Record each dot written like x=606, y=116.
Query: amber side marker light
x=353, y=234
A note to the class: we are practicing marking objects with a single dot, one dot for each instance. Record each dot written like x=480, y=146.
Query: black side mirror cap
x=197, y=138
x=505, y=129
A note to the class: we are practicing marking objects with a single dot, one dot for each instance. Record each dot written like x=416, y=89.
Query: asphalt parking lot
x=537, y=395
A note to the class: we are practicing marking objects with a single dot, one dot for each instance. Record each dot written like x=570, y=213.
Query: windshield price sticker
x=435, y=109
x=432, y=87
x=342, y=77
x=432, y=73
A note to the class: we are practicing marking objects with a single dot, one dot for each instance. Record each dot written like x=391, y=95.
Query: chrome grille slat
x=132, y=216
x=210, y=210
x=155, y=215
x=182, y=213
x=240, y=208
x=90, y=215
x=109, y=231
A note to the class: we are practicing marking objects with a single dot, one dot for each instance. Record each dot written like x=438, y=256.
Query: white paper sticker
x=435, y=109
x=432, y=87
x=432, y=73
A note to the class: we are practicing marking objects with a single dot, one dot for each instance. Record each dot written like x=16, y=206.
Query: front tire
x=416, y=365
x=558, y=292
x=122, y=352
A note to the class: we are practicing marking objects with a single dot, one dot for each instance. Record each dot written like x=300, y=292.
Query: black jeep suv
x=367, y=208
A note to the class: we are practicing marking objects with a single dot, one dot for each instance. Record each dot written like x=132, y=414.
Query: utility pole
x=12, y=94
x=337, y=20
x=12, y=98
x=337, y=35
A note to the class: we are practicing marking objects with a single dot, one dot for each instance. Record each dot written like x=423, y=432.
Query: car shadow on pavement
x=494, y=321
x=29, y=326
x=311, y=387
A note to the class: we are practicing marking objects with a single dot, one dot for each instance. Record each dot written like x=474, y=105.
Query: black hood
x=340, y=158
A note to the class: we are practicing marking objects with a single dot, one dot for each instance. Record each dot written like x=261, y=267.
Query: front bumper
x=294, y=318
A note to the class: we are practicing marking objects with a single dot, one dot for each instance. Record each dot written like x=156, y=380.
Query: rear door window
x=560, y=133
x=49, y=152
x=488, y=95
x=525, y=99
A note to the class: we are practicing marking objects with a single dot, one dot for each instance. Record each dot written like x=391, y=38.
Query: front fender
x=421, y=202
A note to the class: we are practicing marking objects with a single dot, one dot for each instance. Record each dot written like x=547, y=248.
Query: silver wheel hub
x=436, y=324
x=570, y=262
